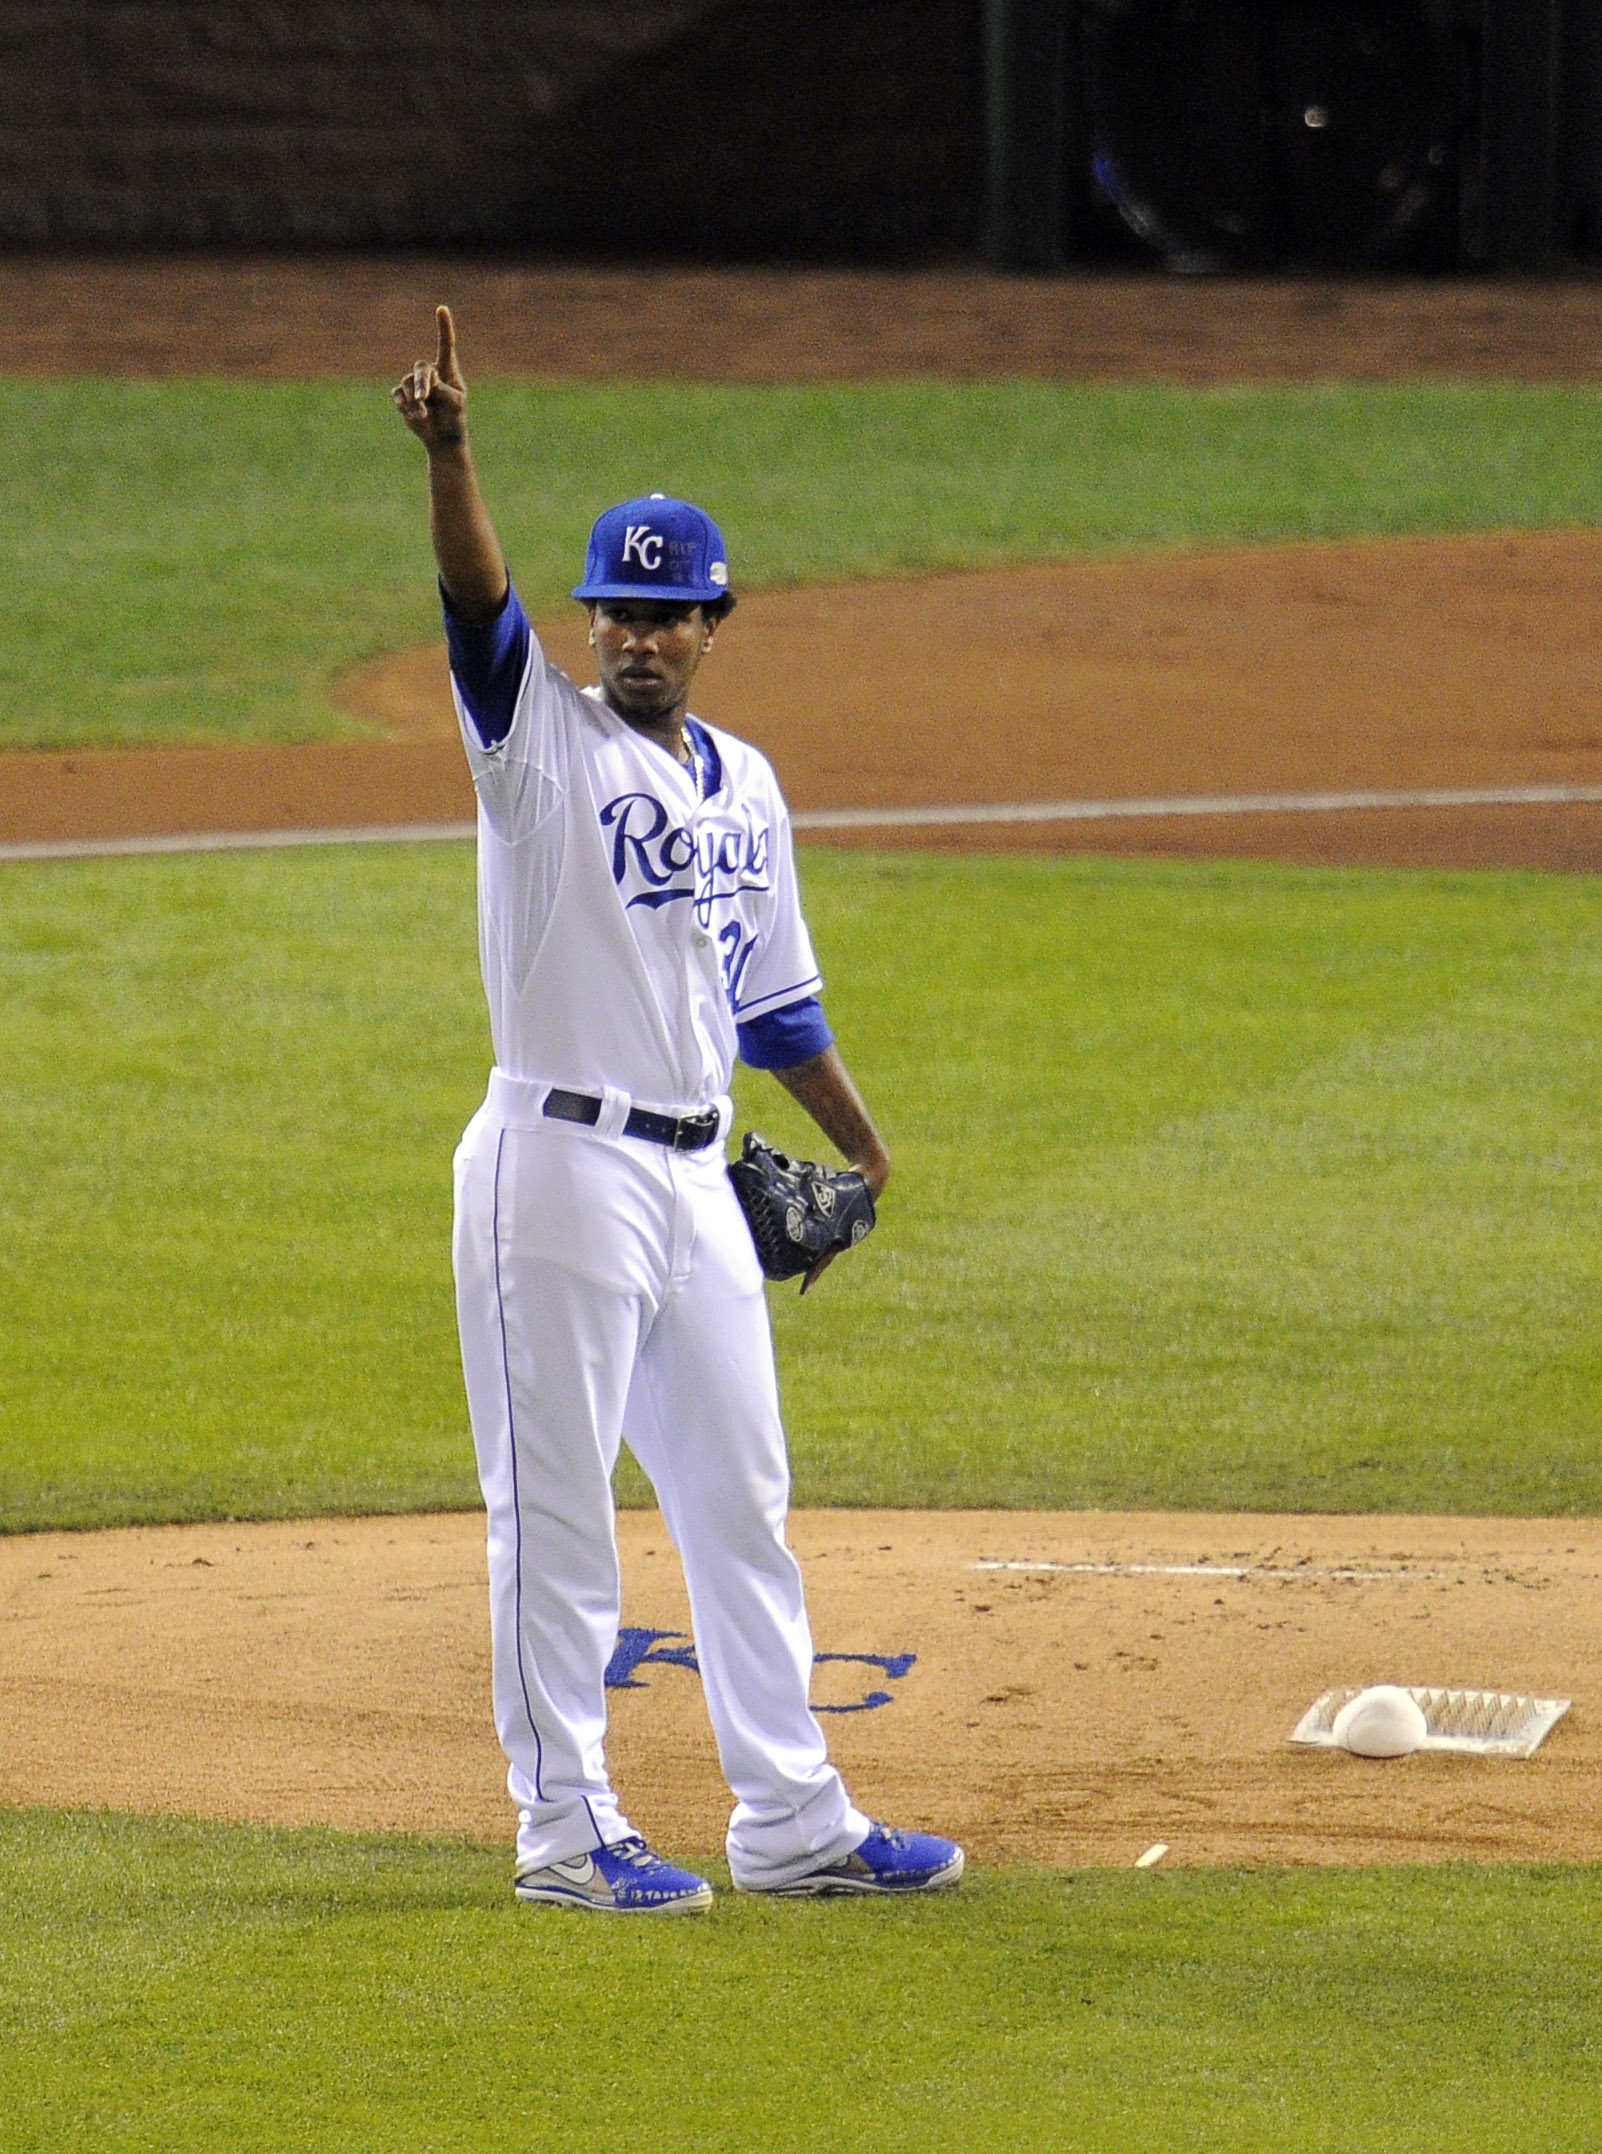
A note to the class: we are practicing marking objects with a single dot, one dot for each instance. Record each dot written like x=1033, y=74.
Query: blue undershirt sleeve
x=781, y=1038
x=488, y=659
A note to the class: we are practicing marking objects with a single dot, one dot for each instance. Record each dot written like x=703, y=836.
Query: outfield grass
x=196, y=558
x=174, y=1986
x=233, y=1090
x=1218, y=1186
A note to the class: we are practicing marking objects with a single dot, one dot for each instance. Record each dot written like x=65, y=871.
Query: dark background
x=1462, y=133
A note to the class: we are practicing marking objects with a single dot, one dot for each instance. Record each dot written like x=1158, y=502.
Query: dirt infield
x=1397, y=664
x=338, y=1672
x=302, y=314
x=1387, y=664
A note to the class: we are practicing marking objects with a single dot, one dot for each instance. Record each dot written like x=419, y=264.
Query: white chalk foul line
x=1203, y=1570
x=1096, y=811
x=970, y=812
x=236, y=841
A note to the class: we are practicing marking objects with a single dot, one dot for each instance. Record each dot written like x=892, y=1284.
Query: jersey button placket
x=692, y=1085
x=701, y=910
x=701, y=906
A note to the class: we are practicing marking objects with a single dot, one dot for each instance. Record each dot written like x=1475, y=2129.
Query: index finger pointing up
x=446, y=362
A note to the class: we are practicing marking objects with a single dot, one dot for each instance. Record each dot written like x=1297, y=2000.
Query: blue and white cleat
x=885, y=1862
x=623, y=1879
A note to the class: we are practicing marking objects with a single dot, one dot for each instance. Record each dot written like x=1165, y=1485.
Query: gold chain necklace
x=697, y=767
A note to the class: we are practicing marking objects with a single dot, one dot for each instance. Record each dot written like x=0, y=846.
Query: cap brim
x=673, y=594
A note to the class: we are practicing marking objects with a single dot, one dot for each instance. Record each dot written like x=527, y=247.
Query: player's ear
x=592, y=628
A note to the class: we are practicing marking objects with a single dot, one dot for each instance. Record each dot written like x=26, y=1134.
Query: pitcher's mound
x=1049, y=1687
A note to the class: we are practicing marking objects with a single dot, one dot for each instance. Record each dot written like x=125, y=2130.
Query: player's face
x=647, y=651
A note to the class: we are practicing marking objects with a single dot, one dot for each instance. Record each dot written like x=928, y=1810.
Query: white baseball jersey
x=625, y=924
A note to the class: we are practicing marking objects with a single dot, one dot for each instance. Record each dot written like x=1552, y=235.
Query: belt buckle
x=694, y=1132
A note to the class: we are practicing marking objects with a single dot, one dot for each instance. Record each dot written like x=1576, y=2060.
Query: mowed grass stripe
x=1218, y=1186
x=195, y=1987
x=196, y=559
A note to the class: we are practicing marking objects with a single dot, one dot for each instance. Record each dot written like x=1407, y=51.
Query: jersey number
x=737, y=948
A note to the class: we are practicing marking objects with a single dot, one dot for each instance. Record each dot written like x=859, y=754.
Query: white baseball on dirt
x=1383, y=1721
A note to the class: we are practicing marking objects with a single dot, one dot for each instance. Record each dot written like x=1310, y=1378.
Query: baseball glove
x=797, y=1211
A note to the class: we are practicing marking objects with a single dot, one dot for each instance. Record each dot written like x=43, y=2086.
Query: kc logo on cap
x=655, y=547
x=644, y=544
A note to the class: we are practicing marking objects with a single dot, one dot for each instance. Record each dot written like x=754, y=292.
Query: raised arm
x=432, y=399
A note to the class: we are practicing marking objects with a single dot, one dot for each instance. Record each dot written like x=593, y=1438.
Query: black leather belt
x=680, y=1132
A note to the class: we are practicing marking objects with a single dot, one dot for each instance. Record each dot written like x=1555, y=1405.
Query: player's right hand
x=432, y=398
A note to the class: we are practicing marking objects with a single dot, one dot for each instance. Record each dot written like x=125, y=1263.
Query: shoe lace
x=635, y=1851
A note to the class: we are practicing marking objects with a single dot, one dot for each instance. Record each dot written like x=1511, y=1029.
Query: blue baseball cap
x=656, y=547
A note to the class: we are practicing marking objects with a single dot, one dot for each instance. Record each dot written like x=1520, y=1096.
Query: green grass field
x=167, y=1986
x=1219, y=1186
x=198, y=558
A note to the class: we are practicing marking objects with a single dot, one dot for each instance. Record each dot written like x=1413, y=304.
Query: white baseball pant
x=607, y=1289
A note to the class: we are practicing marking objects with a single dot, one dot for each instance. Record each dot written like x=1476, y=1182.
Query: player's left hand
x=432, y=398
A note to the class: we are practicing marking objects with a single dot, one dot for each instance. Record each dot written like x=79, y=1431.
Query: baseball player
x=638, y=925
